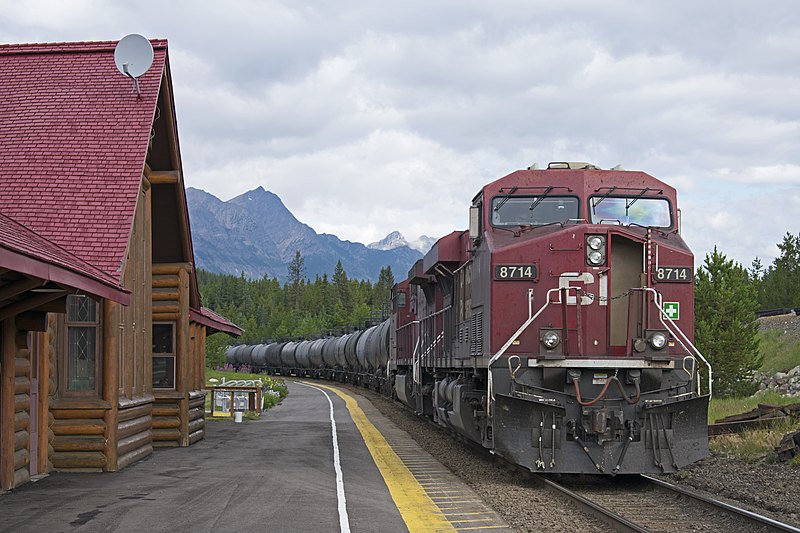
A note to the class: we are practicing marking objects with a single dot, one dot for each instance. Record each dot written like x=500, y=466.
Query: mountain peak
x=256, y=234
x=257, y=194
x=394, y=240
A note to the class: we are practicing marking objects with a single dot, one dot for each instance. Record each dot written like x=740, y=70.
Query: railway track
x=623, y=503
x=645, y=504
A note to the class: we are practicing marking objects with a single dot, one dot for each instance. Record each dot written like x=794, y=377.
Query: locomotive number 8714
x=556, y=332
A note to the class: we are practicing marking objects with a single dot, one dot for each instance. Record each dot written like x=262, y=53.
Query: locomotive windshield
x=533, y=210
x=653, y=212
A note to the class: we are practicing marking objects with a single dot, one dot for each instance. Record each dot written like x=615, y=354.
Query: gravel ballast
x=770, y=489
x=523, y=504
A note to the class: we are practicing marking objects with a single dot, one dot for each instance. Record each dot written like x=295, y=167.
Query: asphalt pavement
x=284, y=472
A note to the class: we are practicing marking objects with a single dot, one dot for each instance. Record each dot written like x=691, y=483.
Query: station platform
x=323, y=460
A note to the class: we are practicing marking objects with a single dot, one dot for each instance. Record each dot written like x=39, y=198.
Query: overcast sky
x=370, y=116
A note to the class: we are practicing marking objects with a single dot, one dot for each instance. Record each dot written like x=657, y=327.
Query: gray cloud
x=366, y=117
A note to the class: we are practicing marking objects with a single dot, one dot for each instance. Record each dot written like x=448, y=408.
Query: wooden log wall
x=22, y=409
x=197, y=396
x=79, y=429
x=174, y=422
x=197, y=416
x=198, y=333
x=51, y=354
x=15, y=405
x=134, y=322
x=76, y=426
x=128, y=350
x=167, y=297
x=134, y=431
x=167, y=419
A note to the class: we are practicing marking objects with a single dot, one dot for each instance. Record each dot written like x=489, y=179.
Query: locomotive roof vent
x=572, y=165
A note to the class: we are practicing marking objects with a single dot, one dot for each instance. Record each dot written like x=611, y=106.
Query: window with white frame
x=163, y=355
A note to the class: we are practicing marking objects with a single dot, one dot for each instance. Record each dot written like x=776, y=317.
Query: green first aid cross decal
x=672, y=310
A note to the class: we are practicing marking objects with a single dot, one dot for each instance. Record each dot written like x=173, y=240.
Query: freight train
x=557, y=331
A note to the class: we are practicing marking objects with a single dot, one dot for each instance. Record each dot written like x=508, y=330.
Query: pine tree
x=268, y=311
x=342, y=287
x=382, y=292
x=296, y=271
x=725, y=323
x=780, y=284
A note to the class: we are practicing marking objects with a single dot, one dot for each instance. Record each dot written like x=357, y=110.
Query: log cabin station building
x=102, y=332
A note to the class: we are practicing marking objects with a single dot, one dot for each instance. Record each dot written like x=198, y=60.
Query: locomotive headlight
x=550, y=339
x=595, y=242
x=595, y=250
x=657, y=340
x=595, y=258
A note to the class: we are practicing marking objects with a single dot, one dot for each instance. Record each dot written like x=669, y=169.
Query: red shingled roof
x=26, y=252
x=73, y=143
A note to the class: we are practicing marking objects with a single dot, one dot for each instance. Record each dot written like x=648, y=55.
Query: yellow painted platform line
x=480, y=528
x=419, y=512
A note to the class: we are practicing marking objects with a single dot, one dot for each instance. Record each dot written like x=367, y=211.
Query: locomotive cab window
x=533, y=210
x=653, y=212
x=400, y=300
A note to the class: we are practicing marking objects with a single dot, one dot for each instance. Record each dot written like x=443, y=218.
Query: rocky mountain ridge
x=255, y=234
x=396, y=240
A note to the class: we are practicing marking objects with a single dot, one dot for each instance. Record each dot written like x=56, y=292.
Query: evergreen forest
x=727, y=296
x=301, y=308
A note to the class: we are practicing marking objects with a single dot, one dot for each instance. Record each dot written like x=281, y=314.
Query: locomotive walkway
x=284, y=472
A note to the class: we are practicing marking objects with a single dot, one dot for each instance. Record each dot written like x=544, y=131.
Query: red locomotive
x=557, y=331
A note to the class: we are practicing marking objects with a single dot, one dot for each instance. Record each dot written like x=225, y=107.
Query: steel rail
x=607, y=516
x=727, y=428
x=750, y=516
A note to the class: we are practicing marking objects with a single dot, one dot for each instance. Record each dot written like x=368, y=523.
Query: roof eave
x=218, y=326
x=63, y=276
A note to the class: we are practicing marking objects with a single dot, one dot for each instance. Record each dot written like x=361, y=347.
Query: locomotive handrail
x=404, y=326
x=467, y=263
x=531, y=318
x=414, y=358
x=523, y=327
x=416, y=355
x=681, y=337
x=439, y=312
x=436, y=340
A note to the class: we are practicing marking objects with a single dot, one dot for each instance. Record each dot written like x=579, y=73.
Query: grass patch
x=230, y=375
x=753, y=446
x=781, y=352
x=722, y=407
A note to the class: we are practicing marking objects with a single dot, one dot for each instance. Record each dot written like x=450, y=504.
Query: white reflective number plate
x=515, y=272
x=674, y=274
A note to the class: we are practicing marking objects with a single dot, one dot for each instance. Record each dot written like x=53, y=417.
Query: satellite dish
x=133, y=56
